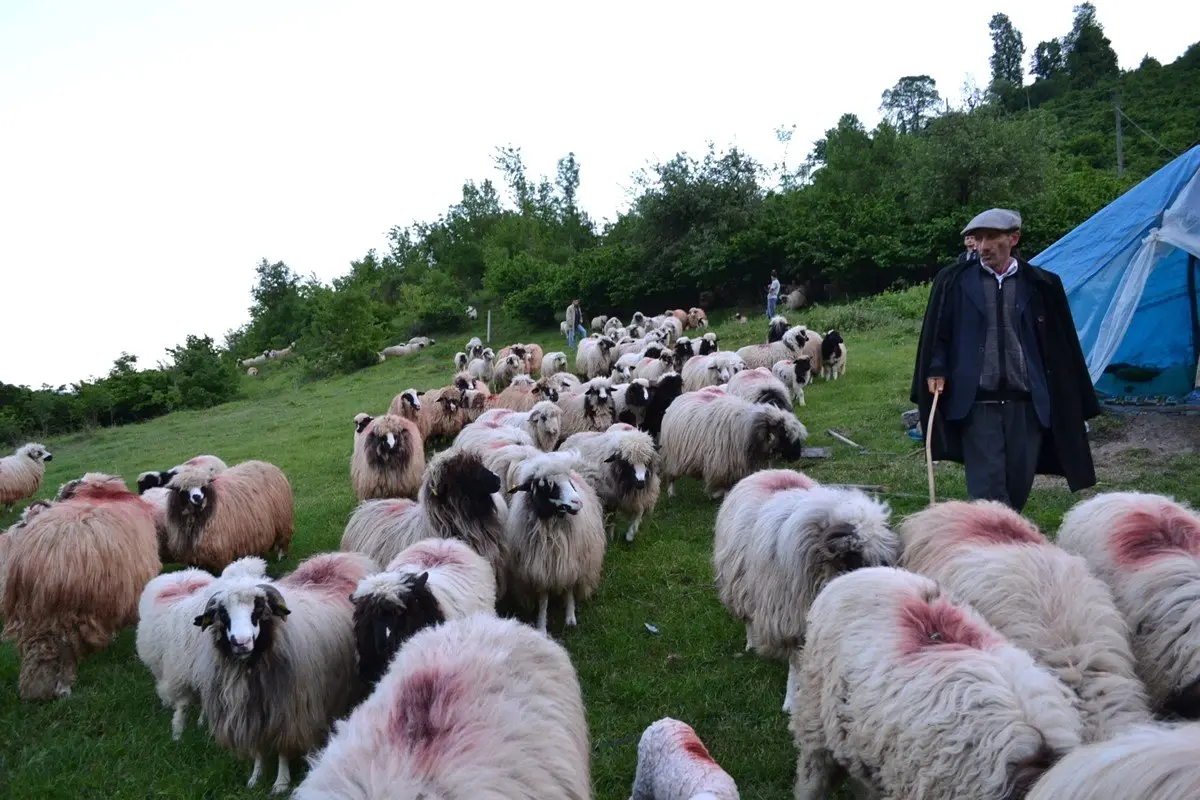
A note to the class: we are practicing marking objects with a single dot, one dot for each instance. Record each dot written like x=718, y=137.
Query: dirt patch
x=1157, y=433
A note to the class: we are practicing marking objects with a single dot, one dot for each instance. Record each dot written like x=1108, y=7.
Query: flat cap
x=996, y=219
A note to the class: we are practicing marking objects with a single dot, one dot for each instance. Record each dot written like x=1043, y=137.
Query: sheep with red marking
x=913, y=695
x=1147, y=762
x=7, y=537
x=523, y=394
x=759, y=385
x=780, y=539
x=588, y=409
x=723, y=439
x=594, y=357
x=1147, y=549
x=795, y=374
x=621, y=464
x=654, y=368
x=278, y=667
x=407, y=404
x=478, y=708
x=1039, y=596
x=555, y=533
x=213, y=520
x=388, y=458
x=673, y=764
x=485, y=434
x=21, y=473
x=458, y=500
x=543, y=423
x=74, y=576
x=430, y=582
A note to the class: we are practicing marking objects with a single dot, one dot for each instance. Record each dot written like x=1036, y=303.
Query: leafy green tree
x=1090, y=56
x=1048, y=60
x=203, y=375
x=1008, y=51
x=345, y=334
x=911, y=103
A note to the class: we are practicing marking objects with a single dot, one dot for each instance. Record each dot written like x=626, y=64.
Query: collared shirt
x=1000, y=276
x=773, y=289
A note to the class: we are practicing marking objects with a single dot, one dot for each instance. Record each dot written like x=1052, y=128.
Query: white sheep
x=480, y=708
x=472, y=313
x=759, y=385
x=565, y=382
x=593, y=357
x=21, y=473
x=543, y=423
x=598, y=323
x=779, y=540
x=673, y=764
x=833, y=356
x=505, y=369
x=590, y=408
x=555, y=533
x=767, y=355
x=711, y=370
x=483, y=367
x=474, y=348
x=621, y=465
x=553, y=362
x=915, y=696
x=461, y=361
x=1042, y=598
x=795, y=374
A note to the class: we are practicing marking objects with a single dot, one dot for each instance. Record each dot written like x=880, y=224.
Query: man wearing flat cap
x=998, y=343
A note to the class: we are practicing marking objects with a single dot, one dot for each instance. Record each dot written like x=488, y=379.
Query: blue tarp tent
x=1131, y=273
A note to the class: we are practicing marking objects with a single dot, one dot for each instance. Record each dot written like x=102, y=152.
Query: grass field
x=110, y=739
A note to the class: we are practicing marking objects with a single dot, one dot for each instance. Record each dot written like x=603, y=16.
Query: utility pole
x=1120, y=144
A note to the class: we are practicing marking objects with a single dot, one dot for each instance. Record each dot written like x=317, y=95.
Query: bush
x=345, y=333
x=434, y=304
x=204, y=377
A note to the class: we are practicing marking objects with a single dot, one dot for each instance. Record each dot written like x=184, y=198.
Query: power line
x=1143, y=130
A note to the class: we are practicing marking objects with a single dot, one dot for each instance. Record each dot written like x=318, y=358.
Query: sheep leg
x=789, y=697
x=571, y=622
x=179, y=719
x=255, y=773
x=200, y=719
x=284, y=779
x=543, y=605
x=749, y=639
x=815, y=771
x=633, y=527
x=671, y=489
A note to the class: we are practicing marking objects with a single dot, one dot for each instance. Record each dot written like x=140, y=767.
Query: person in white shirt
x=772, y=294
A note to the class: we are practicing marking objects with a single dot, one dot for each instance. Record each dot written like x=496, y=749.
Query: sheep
x=8, y=537
x=552, y=363
x=779, y=540
x=474, y=348
x=429, y=582
x=479, y=707
x=697, y=318
x=512, y=350
x=673, y=764
x=460, y=361
x=397, y=351
x=482, y=368
x=776, y=328
x=654, y=368
x=593, y=357
x=458, y=500
x=523, y=394
x=420, y=342
x=631, y=400
x=1148, y=762
x=673, y=329
x=255, y=361
x=621, y=465
x=663, y=392
x=534, y=356
x=564, y=328
x=741, y=319
x=1043, y=599
x=472, y=314
x=811, y=345
x=796, y=299
x=284, y=353
x=272, y=682
x=833, y=356
x=252, y=372
x=795, y=374
x=612, y=324
x=555, y=533
x=723, y=439
x=701, y=371
x=1145, y=547
x=589, y=409
x=684, y=350
x=167, y=638
x=766, y=355
x=21, y=473
x=505, y=370
x=215, y=519
x=464, y=382
x=915, y=696
x=543, y=423
x=707, y=344
x=210, y=465
x=73, y=578
x=407, y=404
x=759, y=385
x=565, y=382
x=441, y=413
x=624, y=366
x=485, y=434
x=598, y=323
x=388, y=459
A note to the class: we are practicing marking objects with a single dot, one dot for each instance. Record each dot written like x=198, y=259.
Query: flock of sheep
x=957, y=654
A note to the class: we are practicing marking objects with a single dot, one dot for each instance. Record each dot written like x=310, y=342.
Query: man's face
x=995, y=247
x=970, y=243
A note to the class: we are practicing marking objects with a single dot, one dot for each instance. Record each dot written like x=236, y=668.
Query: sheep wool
x=795, y=374
x=441, y=413
x=407, y=404
x=1145, y=548
x=21, y=473
x=480, y=708
x=590, y=408
x=767, y=355
x=711, y=370
x=1042, y=598
x=543, y=423
x=523, y=395
x=74, y=576
x=388, y=459
x=673, y=764
x=593, y=357
x=621, y=465
x=553, y=362
x=833, y=356
x=759, y=385
x=914, y=696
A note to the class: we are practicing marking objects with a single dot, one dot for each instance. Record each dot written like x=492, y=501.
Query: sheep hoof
x=571, y=621
x=280, y=788
x=62, y=691
x=629, y=536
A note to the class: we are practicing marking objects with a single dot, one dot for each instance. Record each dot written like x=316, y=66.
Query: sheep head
x=36, y=452
x=777, y=433
x=361, y=421
x=552, y=492
x=242, y=619
x=388, y=609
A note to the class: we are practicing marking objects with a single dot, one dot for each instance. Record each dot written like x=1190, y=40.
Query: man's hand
x=936, y=385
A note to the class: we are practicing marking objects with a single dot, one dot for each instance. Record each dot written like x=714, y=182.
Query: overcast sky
x=152, y=152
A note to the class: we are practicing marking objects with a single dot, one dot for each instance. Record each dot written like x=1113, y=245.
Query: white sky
x=152, y=152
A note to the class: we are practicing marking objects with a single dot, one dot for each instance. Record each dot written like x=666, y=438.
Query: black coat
x=1065, y=449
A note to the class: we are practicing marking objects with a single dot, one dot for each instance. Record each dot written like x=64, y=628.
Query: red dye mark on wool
x=997, y=526
x=691, y=744
x=938, y=626
x=326, y=573
x=783, y=480
x=185, y=588
x=426, y=717
x=1140, y=537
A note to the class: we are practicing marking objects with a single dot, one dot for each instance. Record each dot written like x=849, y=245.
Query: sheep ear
x=275, y=601
x=611, y=459
x=206, y=619
x=421, y=580
x=524, y=487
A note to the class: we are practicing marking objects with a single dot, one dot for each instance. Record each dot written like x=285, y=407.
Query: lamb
x=428, y=583
x=167, y=637
x=1148, y=762
x=543, y=423
x=833, y=356
x=555, y=533
x=388, y=459
x=483, y=367
x=565, y=382
x=780, y=539
x=673, y=764
x=407, y=404
x=723, y=439
x=598, y=323
x=759, y=385
x=593, y=357
x=664, y=392
x=776, y=328
x=21, y=473
x=474, y=348
x=767, y=355
x=718, y=368
x=1146, y=548
x=552, y=363
x=210, y=465
x=252, y=372
x=458, y=500
x=472, y=313
x=707, y=344
x=621, y=465
x=915, y=696
x=631, y=400
x=590, y=409
x=1043, y=599
x=480, y=707
x=505, y=370
x=279, y=666
x=441, y=413
x=795, y=374
x=461, y=361
x=73, y=578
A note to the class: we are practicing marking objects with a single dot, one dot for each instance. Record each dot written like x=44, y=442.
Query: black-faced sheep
x=673, y=764
x=388, y=459
x=833, y=356
x=21, y=473
x=630, y=401
x=795, y=374
x=663, y=392
x=407, y=404
x=779, y=541
x=208, y=464
x=654, y=368
x=683, y=350
x=555, y=534
x=589, y=409
x=1042, y=598
x=706, y=345
x=594, y=357
x=472, y=313
x=543, y=423
x=776, y=328
x=621, y=465
x=767, y=355
x=915, y=696
x=430, y=582
x=474, y=348
x=723, y=439
x=480, y=707
x=759, y=385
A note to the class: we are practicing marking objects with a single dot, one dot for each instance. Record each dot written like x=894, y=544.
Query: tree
x=1048, y=61
x=1090, y=56
x=1008, y=51
x=911, y=103
x=204, y=377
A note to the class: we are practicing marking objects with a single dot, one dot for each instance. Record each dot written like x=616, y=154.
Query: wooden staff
x=929, y=446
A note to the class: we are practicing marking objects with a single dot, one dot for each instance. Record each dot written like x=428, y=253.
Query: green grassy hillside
x=111, y=739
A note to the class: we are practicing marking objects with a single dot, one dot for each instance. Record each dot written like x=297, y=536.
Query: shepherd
x=999, y=341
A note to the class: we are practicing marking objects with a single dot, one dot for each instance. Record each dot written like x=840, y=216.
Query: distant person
x=772, y=294
x=972, y=249
x=999, y=343
x=575, y=323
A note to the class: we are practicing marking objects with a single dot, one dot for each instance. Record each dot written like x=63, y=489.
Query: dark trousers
x=1000, y=451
